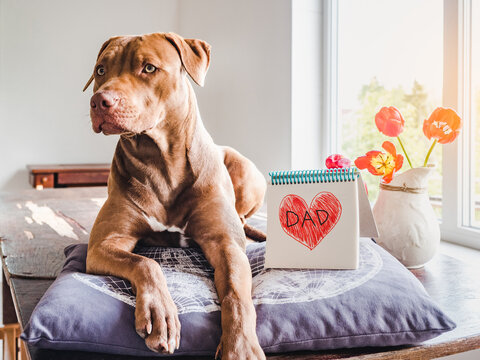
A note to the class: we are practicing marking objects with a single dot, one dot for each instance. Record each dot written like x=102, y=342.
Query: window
x=389, y=55
x=460, y=89
x=415, y=55
x=474, y=126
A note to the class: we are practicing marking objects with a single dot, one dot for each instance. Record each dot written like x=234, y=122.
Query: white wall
x=48, y=49
x=246, y=101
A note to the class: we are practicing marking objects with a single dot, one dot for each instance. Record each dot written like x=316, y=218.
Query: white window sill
x=460, y=252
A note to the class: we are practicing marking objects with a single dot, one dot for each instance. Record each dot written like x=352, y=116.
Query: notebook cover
x=313, y=225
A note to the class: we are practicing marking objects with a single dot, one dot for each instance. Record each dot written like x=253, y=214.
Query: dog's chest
x=166, y=235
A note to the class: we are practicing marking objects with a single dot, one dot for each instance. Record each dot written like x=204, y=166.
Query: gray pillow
x=379, y=304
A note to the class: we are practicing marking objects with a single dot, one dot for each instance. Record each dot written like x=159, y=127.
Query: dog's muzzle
x=105, y=109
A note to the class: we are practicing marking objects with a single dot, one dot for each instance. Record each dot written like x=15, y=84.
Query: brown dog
x=168, y=175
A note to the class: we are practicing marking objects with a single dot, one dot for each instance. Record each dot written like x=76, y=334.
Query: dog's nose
x=104, y=101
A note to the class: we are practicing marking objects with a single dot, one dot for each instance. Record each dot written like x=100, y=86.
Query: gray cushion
x=379, y=304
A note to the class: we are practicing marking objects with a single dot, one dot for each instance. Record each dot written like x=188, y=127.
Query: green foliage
x=359, y=133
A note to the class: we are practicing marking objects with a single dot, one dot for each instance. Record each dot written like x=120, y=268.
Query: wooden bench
x=32, y=256
x=68, y=175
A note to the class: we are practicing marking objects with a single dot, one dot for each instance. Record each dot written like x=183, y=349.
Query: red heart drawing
x=309, y=225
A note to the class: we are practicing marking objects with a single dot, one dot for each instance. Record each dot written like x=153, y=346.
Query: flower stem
x=406, y=155
x=429, y=152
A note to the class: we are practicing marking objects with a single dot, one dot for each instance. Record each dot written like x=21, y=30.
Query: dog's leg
x=110, y=253
x=221, y=237
x=249, y=186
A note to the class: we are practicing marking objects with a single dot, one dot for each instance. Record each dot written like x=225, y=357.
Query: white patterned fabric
x=190, y=279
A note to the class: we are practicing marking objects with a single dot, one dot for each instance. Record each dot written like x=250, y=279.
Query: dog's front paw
x=239, y=347
x=238, y=343
x=156, y=320
x=239, y=339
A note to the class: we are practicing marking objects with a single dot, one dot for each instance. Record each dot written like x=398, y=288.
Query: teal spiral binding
x=313, y=176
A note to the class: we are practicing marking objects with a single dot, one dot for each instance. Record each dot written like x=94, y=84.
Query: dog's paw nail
x=171, y=346
x=141, y=333
x=149, y=328
x=178, y=343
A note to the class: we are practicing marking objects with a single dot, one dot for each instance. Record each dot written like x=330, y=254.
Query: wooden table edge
x=428, y=351
x=6, y=273
x=17, y=310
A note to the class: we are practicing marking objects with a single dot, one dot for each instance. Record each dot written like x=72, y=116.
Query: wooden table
x=35, y=226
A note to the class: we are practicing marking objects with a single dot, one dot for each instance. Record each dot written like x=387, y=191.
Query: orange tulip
x=381, y=164
x=389, y=121
x=443, y=125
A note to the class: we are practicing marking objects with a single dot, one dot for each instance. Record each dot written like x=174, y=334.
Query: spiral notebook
x=315, y=219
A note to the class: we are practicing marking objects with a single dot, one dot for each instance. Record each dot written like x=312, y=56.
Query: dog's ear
x=102, y=49
x=195, y=56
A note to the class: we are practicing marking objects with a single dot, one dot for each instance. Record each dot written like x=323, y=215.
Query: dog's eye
x=100, y=70
x=149, y=68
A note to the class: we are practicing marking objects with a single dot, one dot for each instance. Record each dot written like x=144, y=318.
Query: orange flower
x=381, y=164
x=389, y=121
x=443, y=125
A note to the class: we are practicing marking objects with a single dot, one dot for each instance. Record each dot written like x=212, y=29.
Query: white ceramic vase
x=407, y=225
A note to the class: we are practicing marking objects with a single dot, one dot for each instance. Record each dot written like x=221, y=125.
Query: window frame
x=456, y=204
x=456, y=227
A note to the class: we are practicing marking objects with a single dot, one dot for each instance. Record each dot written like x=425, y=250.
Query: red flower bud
x=337, y=161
